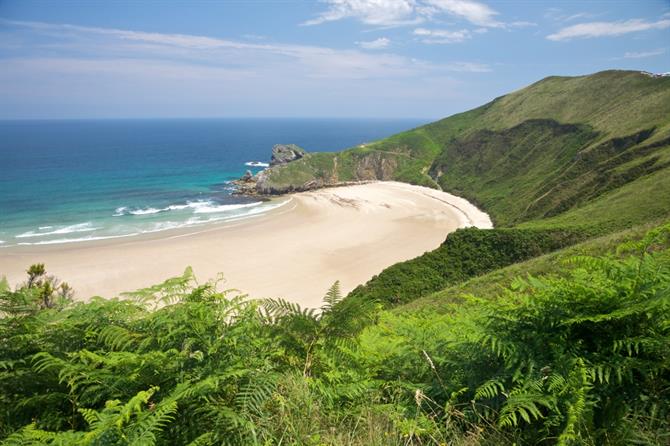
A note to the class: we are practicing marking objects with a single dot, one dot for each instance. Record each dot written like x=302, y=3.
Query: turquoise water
x=71, y=181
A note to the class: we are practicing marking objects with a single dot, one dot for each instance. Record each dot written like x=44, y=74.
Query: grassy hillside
x=551, y=263
x=585, y=155
x=465, y=253
x=553, y=147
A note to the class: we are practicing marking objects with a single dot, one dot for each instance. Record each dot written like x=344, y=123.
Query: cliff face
x=317, y=170
x=285, y=153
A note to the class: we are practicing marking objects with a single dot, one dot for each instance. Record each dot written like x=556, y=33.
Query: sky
x=288, y=58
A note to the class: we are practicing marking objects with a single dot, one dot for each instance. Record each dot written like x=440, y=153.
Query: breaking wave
x=198, y=207
x=80, y=227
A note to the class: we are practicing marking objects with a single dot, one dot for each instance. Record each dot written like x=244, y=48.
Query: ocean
x=70, y=181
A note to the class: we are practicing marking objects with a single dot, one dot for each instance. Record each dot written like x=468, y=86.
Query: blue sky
x=332, y=58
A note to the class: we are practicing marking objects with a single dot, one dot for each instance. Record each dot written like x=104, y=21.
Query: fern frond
x=490, y=389
x=332, y=297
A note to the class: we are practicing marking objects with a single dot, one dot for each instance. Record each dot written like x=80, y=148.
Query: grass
x=464, y=254
x=493, y=282
x=587, y=154
x=552, y=148
x=646, y=199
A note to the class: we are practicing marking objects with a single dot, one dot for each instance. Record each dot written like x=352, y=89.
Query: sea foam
x=80, y=227
x=198, y=207
x=256, y=164
x=210, y=211
x=211, y=208
x=74, y=240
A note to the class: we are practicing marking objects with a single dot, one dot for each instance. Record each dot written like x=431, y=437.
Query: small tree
x=45, y=287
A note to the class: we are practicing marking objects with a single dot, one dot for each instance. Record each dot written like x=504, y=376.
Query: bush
x=464, y=254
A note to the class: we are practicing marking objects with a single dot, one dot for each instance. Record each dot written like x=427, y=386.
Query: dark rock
x=285, y=153
x=248, y=176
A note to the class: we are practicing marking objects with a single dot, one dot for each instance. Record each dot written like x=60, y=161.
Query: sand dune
x=295, y=251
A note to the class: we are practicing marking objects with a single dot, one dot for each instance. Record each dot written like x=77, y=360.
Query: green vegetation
x=553, y=328
x=465, y=253
x=579, y=359
x=563, y=145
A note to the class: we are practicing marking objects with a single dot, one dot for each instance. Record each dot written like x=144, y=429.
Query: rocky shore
x=258, y=185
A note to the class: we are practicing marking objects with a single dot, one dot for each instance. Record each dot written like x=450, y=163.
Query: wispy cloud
x=376, y=44
x=407, y=12
x=643, y=54
x=370, y=12
x=442, y=36
x=520, y=24
x=558, y=15
x=607, y=29
x=57, y=64
x=469, y=67
x=474, y=12
x=203, y=51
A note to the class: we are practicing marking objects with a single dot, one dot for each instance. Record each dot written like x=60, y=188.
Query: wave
x=80, y=227
x=199, y=207
x=120, y=211
x=205, y=207
x=81, y=239
x=256, y=164
x=211, y=208
x=147, y=211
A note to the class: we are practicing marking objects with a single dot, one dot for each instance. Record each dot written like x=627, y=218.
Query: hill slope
x=553, y=147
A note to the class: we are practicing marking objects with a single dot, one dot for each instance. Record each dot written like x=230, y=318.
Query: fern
x=580, y=357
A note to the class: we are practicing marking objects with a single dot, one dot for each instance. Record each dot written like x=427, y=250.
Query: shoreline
x=347, y=233
x=162, y=234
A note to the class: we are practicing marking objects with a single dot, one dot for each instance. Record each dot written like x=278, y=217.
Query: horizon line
x=156, y=118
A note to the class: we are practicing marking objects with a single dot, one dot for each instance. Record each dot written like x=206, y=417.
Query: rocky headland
x=259, y=184
x=293, y=169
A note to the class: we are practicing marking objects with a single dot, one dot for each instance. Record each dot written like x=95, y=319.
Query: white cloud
x=376, y=44
x=643, y=54
x=370, y=12
x=468, y=67
x=605, y=29
x=474, y=12
x=61, y=69
x=407, y=12
x=204, y=54
x=558, y=15
x=520, y=24
x=442, y=36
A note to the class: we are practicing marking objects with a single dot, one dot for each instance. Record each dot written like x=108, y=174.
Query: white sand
x=295, y=251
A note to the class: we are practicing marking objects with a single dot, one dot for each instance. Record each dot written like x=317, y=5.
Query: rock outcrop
x=285, y=153
x=258, y=184
x=376, y=166
x=373, y=166
x=248, y=176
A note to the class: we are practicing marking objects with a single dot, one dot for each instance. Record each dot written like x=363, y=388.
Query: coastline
x=294, y=251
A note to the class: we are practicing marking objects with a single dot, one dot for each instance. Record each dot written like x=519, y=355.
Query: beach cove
x=312, y=239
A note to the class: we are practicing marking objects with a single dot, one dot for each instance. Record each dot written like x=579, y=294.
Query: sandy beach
x=295, y=251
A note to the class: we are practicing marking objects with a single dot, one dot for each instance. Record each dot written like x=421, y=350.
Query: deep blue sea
x=78, y=180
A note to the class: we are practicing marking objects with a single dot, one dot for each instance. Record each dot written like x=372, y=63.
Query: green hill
x=547, y=149
x=569, y=155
